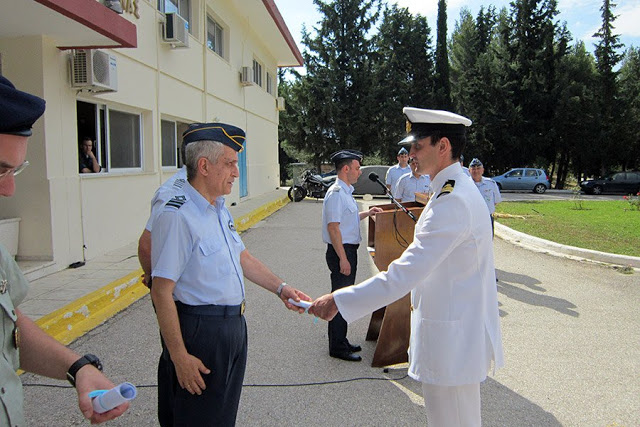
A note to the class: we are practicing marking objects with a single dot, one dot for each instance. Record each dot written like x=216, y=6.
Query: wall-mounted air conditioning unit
x=94, y=70
x=246, y=76
x=175, y=30
x=280, y=104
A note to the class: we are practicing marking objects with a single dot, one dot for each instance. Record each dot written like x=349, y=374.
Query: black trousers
x=220, y=342
x=338, y=326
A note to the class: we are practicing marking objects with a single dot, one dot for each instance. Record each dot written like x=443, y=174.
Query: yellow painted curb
x=247, y=221
x=79, y=317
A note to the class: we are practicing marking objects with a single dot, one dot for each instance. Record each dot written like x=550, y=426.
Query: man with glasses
x=24, y=345
x=88, y=162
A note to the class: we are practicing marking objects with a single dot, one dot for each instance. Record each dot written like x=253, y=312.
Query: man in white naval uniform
x=455, y=328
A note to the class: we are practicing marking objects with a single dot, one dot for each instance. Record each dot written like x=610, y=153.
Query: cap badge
x=408, y=126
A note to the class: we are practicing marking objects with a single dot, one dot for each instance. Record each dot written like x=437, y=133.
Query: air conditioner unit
x=246, y=76
x=94, y=70
x=175, y=30
x=280, y=104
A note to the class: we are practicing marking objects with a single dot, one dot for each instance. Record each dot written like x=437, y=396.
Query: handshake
x=323, y=307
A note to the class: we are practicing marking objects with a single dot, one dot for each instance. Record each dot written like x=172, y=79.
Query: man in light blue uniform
x=198, y=266
x=395, y=172
x=487, y=187
x=162, y=195
x=341, y=233
x=411, y=183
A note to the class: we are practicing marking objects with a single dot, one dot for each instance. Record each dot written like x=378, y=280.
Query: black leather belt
x=211, y=309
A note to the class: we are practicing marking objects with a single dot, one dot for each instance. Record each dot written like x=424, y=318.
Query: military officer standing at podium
x=198, y=266
x=341, y=233
x=449, y=270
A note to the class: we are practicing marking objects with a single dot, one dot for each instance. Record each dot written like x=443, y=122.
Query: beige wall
x=107, y=210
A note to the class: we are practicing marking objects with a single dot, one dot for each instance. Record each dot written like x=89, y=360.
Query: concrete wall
x=107, y=210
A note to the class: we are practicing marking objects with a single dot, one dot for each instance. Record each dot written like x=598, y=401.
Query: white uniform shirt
x=394, y=173
x=408, y=185
x=449, y=270
x=195, y=244
x=340, y=206
x=164, y=193
x=490, y=193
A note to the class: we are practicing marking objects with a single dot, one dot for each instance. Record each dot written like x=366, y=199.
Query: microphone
x=375, y=178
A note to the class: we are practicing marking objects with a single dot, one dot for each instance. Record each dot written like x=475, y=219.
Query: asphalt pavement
x=570, y=331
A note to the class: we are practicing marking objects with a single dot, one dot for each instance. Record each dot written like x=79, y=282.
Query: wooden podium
x=390, y=232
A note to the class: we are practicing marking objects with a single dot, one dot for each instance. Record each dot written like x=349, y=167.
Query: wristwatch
x=87, y=359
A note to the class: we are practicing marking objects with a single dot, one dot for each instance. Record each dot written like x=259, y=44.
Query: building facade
x=133, y=85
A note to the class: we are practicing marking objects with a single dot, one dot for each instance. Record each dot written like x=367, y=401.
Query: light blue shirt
x=490, y=193
x=195, y=244
x=340, y=206
x=394, y=173
x=408, y=185
x=165, y=193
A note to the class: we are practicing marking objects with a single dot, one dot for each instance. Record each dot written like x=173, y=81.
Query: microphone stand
x=393, y=199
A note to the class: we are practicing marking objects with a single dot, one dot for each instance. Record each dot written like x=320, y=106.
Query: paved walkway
x=71, y=302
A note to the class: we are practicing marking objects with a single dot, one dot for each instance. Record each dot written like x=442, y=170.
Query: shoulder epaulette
x=179, y=183
x=177, y=201
x=447, y=188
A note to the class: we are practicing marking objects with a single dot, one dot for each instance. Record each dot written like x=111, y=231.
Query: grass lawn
x=607, y=226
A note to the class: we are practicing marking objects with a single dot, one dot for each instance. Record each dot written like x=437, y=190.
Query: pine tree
x=403, y=74
x=443, y=83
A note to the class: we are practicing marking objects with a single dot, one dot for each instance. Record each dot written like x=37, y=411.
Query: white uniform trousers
x=457, y=406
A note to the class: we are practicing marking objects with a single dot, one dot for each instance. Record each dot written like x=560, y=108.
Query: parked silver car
x=527, y=179
x=365, y=185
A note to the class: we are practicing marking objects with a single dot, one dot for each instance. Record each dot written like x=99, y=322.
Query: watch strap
x=87, y=359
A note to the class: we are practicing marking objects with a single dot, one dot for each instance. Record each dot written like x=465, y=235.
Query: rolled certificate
x=105, y=400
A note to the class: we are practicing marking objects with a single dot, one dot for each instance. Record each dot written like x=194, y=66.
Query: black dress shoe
x=354, y=348
x=345, y=355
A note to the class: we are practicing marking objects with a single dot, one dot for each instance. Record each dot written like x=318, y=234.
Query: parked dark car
x=365, y=185
x=619, y=182
x=528, y=179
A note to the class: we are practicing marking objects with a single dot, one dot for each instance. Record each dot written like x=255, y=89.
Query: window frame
x=270, y=84
x=186, y=15
x=257, y=72
x=174, y=143
x=223, y=33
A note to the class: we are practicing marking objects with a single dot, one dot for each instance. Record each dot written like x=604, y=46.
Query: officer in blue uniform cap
x=341, y=233
x=449, y=270
x=198, y=265
x=396, y=171
x=24, y=345
x=195, y=132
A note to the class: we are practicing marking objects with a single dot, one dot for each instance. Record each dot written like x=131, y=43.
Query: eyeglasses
x=15, y=171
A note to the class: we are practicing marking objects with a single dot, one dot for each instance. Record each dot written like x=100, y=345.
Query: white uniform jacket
x=449, y=269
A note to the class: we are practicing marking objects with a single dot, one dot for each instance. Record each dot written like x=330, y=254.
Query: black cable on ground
x=252, y=385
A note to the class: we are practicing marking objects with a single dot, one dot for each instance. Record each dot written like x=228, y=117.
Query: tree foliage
x=535, y=98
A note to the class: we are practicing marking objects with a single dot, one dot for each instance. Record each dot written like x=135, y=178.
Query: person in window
x=88, y=162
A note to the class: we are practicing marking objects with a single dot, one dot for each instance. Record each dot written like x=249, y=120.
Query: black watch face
x=94, y=361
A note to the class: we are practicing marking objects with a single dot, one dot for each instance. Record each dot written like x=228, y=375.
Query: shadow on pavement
x=508, y=285
x=502, y=406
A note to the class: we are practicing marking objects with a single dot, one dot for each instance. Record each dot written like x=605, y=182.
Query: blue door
x=242, y=166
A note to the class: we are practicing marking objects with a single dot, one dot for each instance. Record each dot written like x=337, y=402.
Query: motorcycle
x=311, y=184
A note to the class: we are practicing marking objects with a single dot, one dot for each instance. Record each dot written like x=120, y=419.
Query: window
x=117, y=135
x=181, y=7
x=257, y=73
x=270, y=83
x=215, y=36
x=125, y=140
x=169, y=143
x=531, y=172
